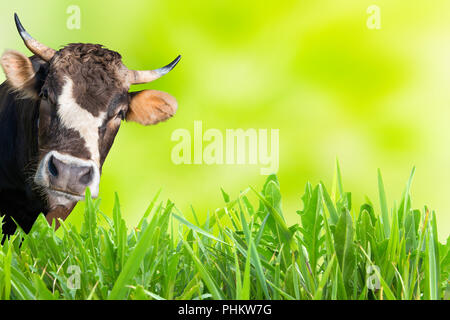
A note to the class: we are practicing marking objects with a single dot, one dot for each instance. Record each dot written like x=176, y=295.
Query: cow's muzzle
x=66, y=176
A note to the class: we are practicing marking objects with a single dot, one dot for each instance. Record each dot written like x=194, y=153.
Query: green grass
x=240, y=251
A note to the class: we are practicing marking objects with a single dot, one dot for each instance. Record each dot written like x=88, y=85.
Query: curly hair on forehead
x=90, y=64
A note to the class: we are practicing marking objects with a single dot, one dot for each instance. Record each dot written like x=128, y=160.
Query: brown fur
x=57, y=213
x=100, y=86
x=96, y=72
x=19, y=72
x=151, y=106
x=98, y=76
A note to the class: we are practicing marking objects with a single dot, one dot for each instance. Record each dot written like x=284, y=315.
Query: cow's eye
x=44, y=94
x=121, y=115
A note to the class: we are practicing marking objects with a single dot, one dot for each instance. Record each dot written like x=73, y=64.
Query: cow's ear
x=20, y=73
x=151, y=106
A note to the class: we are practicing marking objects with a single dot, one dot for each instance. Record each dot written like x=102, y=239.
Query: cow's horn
x=36, y=47
x=144, y=76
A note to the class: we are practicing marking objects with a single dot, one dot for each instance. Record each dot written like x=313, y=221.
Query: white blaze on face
x=74, y=117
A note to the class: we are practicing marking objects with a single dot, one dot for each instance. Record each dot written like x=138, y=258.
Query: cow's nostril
x=70, y=175
x=52, y=168
x=86, y=177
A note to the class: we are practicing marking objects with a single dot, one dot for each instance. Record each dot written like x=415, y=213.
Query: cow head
x=82, y=93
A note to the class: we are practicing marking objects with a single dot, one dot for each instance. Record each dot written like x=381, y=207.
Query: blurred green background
x=313, y=69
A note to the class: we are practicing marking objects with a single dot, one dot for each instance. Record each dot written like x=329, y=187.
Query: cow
x=60, y=111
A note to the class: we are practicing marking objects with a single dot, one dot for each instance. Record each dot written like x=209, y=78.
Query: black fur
x=20, y=201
